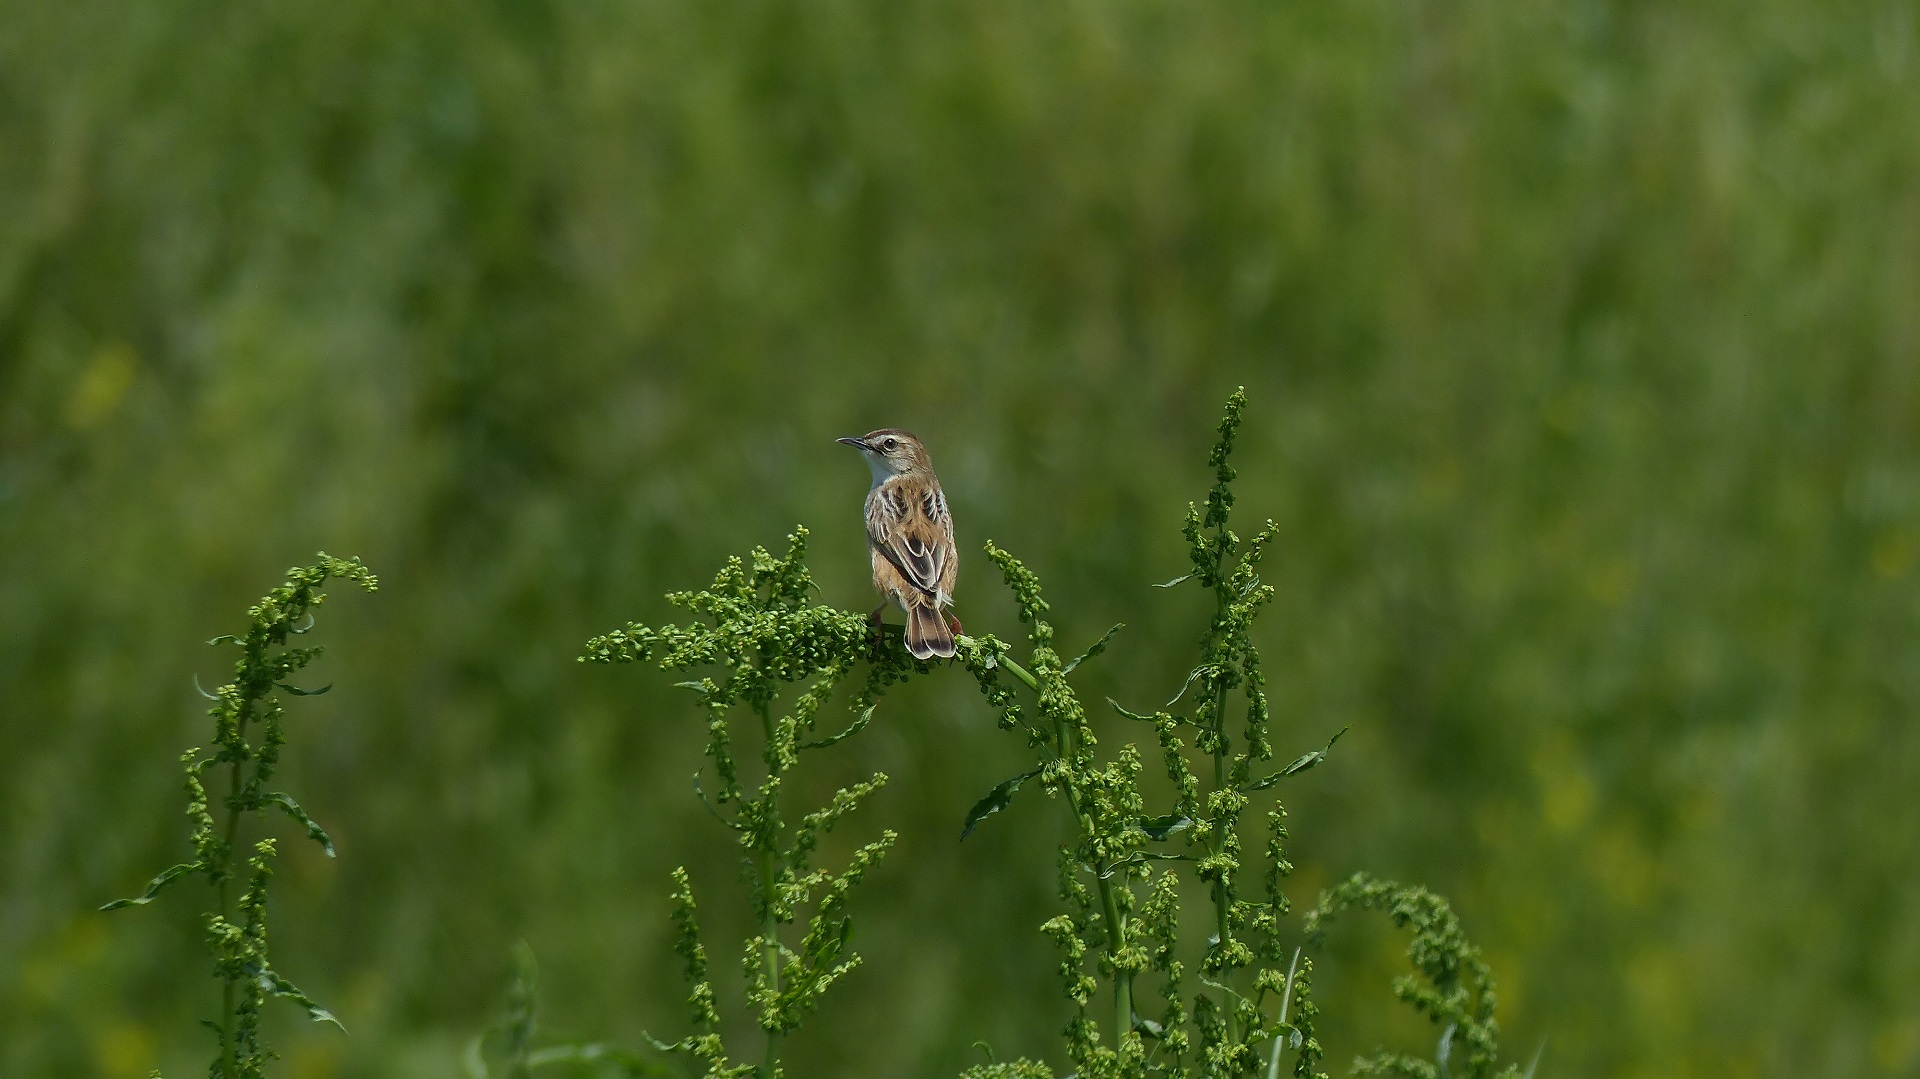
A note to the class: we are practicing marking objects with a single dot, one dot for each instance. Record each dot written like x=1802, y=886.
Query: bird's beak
x=856, y=443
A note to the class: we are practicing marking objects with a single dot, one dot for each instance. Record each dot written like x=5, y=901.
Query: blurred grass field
x=1583, y=341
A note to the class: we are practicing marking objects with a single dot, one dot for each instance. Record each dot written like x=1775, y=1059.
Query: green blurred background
x=1583, y=341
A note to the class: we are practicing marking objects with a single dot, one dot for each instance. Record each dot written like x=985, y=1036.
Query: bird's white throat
x=881, y=468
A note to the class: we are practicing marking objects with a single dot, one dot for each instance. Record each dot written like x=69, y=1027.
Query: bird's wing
x=902, y=525
x=947, y=558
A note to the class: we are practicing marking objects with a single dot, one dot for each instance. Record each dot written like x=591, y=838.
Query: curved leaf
x=711, y=808
x=996, y=800
x=292, y=809
x=1304, y=762
x=283, y=687
x=1099, y=646
x=1159, y=828
x=272, y=982
x=154, y=886
x=1188, y=684
x=866, y=717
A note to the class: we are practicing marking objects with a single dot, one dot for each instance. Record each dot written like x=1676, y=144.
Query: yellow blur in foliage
x=103, y=382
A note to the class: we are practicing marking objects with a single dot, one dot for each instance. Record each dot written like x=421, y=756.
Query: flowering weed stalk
x=760, y=638
x=250, y=705
x=1457, y=994
x=1253, y=1006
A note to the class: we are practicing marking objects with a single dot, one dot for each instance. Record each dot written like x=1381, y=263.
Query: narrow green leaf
x=1159, y=828
x=292, y=808
x=1142, y=857
x=680, y=1046
x=711, y=808
x=223, y=637
x=272, y=982
x=1184, y=686
x=866, y=717
x=154, y=886
x=1308, y=760
x=1304, y=762
x=283, y=687
x=1129, y=714
x=996, y=800
x=1177, y=580
x=202, y=691
x=1099, y=646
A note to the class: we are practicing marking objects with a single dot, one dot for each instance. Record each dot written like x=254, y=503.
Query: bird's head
x=891, y=452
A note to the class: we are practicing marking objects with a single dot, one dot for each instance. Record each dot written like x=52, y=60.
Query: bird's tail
x=927, y=633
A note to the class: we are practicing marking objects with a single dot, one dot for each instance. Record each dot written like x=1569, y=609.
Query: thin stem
x=769, y=920
x=1109, y=906
x=1221, y=902
x=228, y=1064
x=770, y=961
x=1123, y=979
x=1021, y=673
x=1286, y=1001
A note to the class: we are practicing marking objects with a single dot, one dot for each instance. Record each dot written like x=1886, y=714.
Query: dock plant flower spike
x=757, y=639
x=1121, y=875
x=251, y=706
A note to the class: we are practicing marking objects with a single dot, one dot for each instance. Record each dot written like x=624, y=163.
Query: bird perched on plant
x=910, y=539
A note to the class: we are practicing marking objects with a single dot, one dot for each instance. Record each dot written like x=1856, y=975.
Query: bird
x=910, y=540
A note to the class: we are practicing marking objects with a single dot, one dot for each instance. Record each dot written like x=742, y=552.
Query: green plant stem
x=1123, y=979
x=228, y=1064
x=770, y=962
x=1220, y=901
x=769, y=919
x=1286, y=1001
x=1109, y=906
x=1021, y=673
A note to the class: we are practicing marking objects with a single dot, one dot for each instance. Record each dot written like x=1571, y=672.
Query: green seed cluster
x=756, y=647
x=759, y=638
x=251, y=705
x=1119, y=928
x=1455, y=988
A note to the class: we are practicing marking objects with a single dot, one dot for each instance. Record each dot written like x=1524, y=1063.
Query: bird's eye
x=891, y=444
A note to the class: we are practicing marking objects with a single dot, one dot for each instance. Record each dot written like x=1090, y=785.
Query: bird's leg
x=879, y=634
x=954, y=625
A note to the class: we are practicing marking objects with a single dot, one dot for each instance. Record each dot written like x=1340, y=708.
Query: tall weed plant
x=767, y=667
x=248, y=735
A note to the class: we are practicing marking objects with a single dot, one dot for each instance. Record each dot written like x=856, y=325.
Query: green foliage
x=1250, y=1007
x=1458, y=993
x=765, y=638
x=1018, y=1069
x=1581, y=344
x=250, y=704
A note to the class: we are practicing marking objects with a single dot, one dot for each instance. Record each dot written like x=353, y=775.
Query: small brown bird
x=910, y=538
